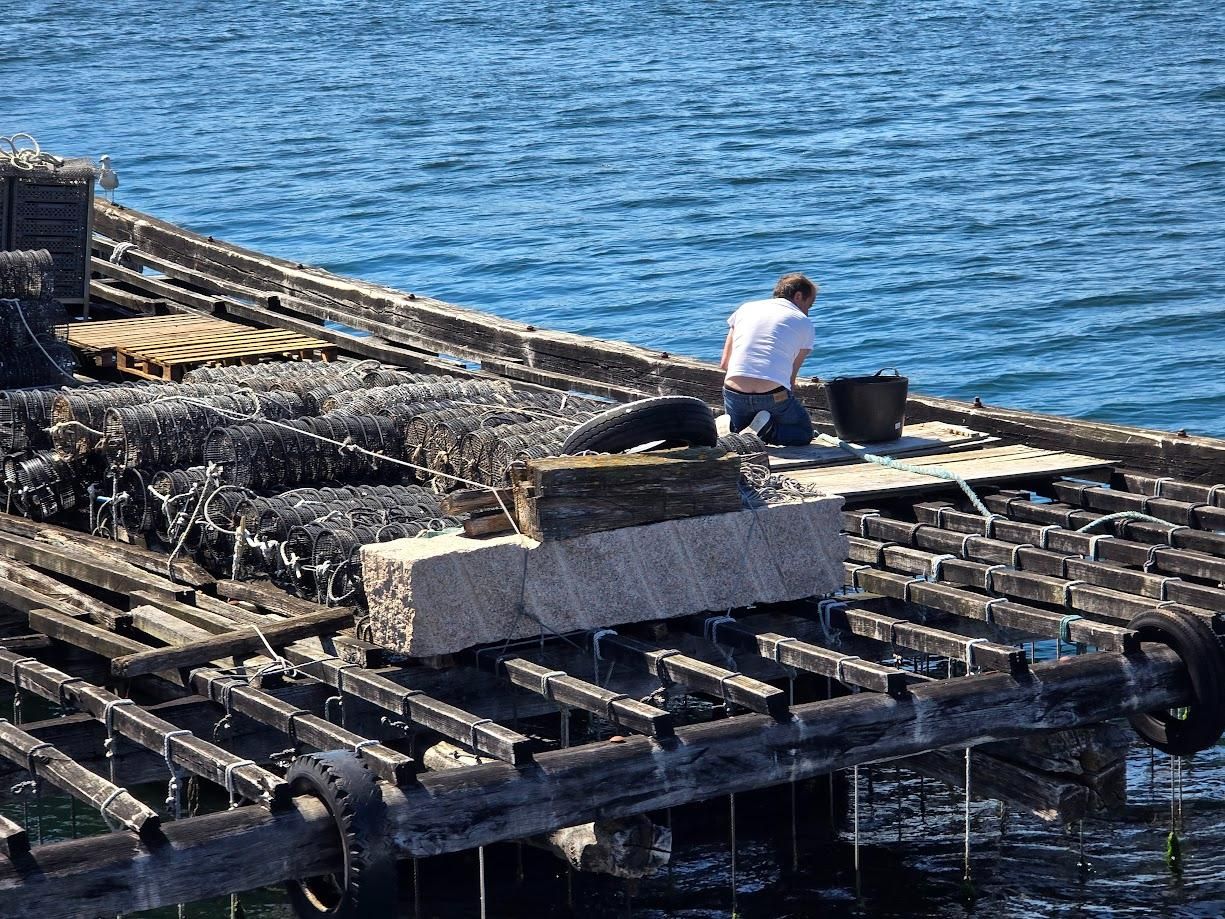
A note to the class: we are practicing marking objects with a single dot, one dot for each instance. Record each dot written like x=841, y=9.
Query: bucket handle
x=896, y=372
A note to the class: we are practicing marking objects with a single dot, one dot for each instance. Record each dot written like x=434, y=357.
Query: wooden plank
x=301, y=726
x=184, y=571
x=673, y=666
x=1169, y=561
x=479, y=734
x=242, y=640
x=990, y=465
x=920, y=440
x=566, y=496
x=571, y=691
x=84, y=565
x=48, y=763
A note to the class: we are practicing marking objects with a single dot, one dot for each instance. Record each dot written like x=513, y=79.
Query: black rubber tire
x=1197, y=645
x=675, y=420
x=367, y=889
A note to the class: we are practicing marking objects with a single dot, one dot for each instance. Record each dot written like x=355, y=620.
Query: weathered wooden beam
x=1076, y=597
x=86, y=565
x=1165, y=486
x=1059, y=564
x=242, y=640
x=1127, y=552
x=479, y=734
x=565, y=496
x=45, y=761
x=994, y=610
x=132, y=721
x=13, y=838
x=1072, y=518
x=672, y=666
x=464, y=808
x=914, y=636
x=573, y=692
x=300, y=725
x=201, y=857
x=1111, y=500
x=184, y=571
x=790, y=651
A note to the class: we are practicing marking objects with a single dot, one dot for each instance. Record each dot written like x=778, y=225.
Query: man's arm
x=795, y=368
x=727, y=353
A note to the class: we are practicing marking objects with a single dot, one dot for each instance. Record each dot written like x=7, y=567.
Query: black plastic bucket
x=868, y=410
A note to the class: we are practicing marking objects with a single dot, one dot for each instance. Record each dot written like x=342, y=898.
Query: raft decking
x=579, y=727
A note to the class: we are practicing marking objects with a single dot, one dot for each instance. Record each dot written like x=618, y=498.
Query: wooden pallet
x=164, y=347
x=989, y=465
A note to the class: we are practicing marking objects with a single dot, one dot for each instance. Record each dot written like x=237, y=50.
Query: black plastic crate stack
x=51, y=207
x=27, y=309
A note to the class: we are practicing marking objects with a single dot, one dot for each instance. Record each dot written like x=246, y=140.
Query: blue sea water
x=1021, y=200
x=1018, y=200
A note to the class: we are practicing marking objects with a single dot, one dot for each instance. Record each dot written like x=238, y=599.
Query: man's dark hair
x=790, y=286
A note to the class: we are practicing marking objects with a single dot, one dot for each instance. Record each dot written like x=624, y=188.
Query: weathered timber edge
x=566, y=360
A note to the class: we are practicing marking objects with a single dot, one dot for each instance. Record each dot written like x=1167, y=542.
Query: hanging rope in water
x=936, y=472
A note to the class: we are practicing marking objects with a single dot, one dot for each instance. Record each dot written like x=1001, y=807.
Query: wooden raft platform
x=164, y=347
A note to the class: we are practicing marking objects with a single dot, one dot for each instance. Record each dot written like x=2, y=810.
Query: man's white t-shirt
x=767, y=336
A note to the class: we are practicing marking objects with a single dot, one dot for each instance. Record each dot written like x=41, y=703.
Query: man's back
x=767, y=335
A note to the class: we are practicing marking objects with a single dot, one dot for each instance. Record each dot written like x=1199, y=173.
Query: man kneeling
x=766, y=344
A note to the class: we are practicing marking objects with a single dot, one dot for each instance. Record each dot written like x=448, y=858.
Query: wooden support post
x=465, y=808
x=674, y=667
x=47, y=762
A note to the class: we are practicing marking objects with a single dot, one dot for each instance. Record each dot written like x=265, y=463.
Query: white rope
x=16, y=304
x=229, y=779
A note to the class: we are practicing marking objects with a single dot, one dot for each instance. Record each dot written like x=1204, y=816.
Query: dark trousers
x=789, y=426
